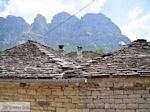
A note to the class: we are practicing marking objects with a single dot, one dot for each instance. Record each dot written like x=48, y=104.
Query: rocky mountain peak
x=39, y=25
x=99, y=23
x=62, y=16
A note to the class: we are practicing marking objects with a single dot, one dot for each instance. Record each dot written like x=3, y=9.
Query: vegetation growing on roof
x=100, y=51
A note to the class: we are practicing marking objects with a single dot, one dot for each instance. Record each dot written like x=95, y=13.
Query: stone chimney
x=61, y=47
x=61, y=50
x=79, y=53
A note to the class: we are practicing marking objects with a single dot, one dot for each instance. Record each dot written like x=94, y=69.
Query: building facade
x=117, y=82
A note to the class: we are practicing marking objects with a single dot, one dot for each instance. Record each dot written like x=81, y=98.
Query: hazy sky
x=132, y=16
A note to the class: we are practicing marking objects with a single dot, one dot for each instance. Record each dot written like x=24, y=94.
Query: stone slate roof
x=35, y=61
x=130, y=60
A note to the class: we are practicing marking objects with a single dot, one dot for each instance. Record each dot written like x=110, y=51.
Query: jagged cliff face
x=91, y=31
x=66, y=33
x=39, y=25
x=11, y=30
x=98, y=23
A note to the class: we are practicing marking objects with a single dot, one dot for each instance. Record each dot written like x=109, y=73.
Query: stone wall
x=120, y=94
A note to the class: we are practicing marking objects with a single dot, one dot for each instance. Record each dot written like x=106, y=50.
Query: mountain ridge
x=91, y=31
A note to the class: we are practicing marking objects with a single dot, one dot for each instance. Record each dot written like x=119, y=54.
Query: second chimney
x=79, y=53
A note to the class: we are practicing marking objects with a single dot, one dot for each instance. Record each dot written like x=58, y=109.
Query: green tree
x=100, y=51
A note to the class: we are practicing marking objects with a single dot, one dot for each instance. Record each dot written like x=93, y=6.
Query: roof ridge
x=43, y=50
x=60, y=61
